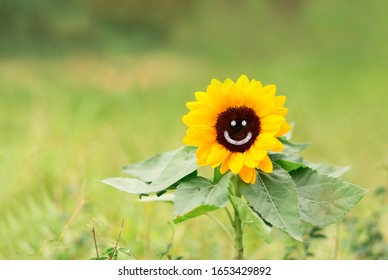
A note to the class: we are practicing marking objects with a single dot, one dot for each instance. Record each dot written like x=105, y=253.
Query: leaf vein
x=272, y=202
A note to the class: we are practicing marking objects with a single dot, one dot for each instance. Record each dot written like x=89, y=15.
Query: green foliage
x=113, y=253
x=274, y=197
x=323, y=200
x=150, y=169
x=366, y=238
x=330, y=170
x=292, y=193
x=363, y=238
x=290, y=165
x=303, y=250
x=198, y=196
x=164, y=170
x=69, y=119
x=131, y=185
x=292, y=150
x=250, y=218
x=168, y=251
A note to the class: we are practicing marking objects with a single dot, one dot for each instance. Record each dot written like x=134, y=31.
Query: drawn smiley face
x=237, y=128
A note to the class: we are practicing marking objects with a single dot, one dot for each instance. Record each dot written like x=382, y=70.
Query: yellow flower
x=235, y=125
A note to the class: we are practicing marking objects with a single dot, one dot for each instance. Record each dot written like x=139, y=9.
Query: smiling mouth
x=237, y=142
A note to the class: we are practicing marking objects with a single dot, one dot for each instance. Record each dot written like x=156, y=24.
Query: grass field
x=70, y=119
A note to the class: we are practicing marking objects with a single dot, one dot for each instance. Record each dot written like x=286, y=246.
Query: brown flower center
x=237, y=128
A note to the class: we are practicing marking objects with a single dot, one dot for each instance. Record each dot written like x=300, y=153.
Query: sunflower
x=234, y=125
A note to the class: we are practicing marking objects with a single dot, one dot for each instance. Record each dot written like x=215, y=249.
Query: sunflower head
x=235, y=124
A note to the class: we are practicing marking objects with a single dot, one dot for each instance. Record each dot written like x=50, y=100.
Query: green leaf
x=333, y=171
x=181, y=164
x=112, y=253
x=291, y=151
x=274, y=197
x=167, y=197
x=197, y=196
x=131, y=185
x=323, y=200
x=125, y=251
x=289, y=165
x=251, y=219
x=151, y=168
x=291, y=148
x=198, y=211
x=330, y=170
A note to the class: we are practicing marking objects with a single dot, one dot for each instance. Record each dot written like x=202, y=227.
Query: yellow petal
x=192, y=105
x=280, y=100
x=202, y=154
x=199, y=135
x=257, y=84
x=279, y=111
x=242, y=82
x=225, y=164
x=201, y=131
x=249, y=158
x=253, y=180
x=196, y=141
x=284, y=128
x=236, y=162
x=215, y=92
x=258, y=154
x=246, y=174
x=271, y=123
x=201, y=96
x=254, y=94
x=266, y=165
x=278, y=106
x=265, y=141
x=215, y=84
x=199, y=117
x=279, y=147
x=217, y=155
x=228, y=82
x=269, y=90
x=236, y=97
x=264, y=104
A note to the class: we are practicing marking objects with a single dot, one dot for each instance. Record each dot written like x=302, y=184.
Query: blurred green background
x=89, y=86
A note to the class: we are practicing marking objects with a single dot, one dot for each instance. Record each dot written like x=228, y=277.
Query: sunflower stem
x=238, y=239
x=238, y=229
